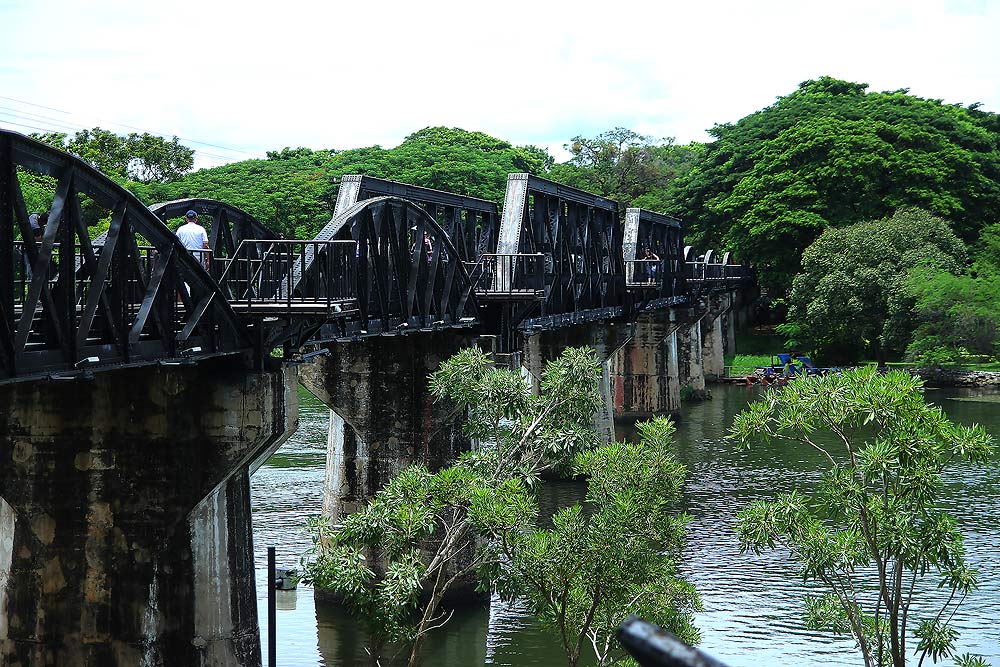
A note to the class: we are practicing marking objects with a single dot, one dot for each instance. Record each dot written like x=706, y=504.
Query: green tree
x=395, y=560
x=873, y=533
x=294, y=190
x=528, y=435
x=957, y=316
x=137, y=157
x=830, y=154
x=851, y=297
x=626, y=166
x=598, y=563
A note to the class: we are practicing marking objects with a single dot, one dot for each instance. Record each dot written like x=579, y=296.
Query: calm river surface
x=752, y=603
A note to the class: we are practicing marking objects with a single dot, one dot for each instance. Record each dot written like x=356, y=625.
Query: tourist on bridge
x=37, y=222
x=651, y=266
x=194, y=237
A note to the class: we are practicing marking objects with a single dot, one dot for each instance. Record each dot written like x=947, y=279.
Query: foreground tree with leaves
x=599, y=562
x=872, y=534
x=425, y=533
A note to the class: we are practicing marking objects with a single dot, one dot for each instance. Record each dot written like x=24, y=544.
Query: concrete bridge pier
x=102, y=560
x=718, y=334
x=645, y=372
x=690, y=365
x=607, y=338
x=383, y=417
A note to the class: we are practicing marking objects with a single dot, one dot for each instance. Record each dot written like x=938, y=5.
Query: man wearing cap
x=194, y=237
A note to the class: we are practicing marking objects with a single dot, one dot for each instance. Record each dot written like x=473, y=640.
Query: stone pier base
x=102, y=561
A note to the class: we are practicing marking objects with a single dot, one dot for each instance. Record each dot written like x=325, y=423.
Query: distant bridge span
x=554, y=256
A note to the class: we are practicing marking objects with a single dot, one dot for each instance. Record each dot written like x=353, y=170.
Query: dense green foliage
x=584, y=575
x=136, y=157
x=957, y=317
x=831, y=154
x=873, y=533
x=631, y=168
x=294, y=190
x=851, y=300
x=598, y=563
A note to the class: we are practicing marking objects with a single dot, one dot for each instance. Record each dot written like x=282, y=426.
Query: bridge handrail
x=510, y=273
x=643, y=272
x=270, y=276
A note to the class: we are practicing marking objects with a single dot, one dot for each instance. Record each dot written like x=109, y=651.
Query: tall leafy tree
x=626, y=166
x=583, y=575
x=957, y=315
x=829, y=154
x=874, y=537
x=294, y=190
x=136, y=157
x=851, y=298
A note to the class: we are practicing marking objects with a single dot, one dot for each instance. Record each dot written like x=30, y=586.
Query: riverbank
x=943, y=378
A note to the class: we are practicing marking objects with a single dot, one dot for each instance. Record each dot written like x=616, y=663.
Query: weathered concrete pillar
x=729, y=322
x=383, y=417
x=102, y=562
x=713, y=346
x=607, y=338
x=220, y=540
x=689, y=350
x=645, y=371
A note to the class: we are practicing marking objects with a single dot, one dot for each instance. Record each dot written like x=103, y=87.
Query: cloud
x=259, y=76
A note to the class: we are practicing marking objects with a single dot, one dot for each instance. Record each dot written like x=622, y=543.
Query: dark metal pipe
x=271, y=652
x=652, y=646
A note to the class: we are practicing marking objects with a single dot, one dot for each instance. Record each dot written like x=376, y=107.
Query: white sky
x=249, y=76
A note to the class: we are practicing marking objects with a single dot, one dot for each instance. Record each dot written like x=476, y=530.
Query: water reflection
x=752, y=603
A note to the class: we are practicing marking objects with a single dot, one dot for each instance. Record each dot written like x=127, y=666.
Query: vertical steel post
x=271, y=652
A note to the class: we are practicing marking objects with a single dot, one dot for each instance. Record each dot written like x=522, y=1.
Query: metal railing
x=146, y=261
x=262, y=271
x=509, y=274
x=701, y=271
x=640, y=273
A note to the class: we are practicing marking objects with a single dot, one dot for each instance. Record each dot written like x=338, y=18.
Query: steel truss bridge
x=395, y=259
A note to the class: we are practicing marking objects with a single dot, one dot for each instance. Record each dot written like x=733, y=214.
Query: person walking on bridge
x=194, y=237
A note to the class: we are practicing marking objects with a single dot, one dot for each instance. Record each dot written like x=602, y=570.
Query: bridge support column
x=644, y=372
x=383, y=417
x=607, y=338
x=729, y=326
x=691, y=370
x=718, y=334
x=713, y=347
x=102, y=561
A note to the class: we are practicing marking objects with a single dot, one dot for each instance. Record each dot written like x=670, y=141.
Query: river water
x=752, y=613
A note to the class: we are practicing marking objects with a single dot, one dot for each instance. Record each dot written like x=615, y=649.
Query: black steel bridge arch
x=551, y=257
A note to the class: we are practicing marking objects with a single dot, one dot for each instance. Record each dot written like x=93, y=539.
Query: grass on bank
x=761, y=349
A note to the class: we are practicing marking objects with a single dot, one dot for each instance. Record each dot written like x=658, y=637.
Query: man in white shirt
x=194, y=237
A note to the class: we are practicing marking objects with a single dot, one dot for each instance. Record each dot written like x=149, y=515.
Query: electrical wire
x=138, y=129
x=12, y=118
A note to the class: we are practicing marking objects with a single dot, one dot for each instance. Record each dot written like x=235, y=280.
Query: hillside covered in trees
x=828, y=154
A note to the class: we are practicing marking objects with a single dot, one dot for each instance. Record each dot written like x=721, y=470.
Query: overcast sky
x=249, y=77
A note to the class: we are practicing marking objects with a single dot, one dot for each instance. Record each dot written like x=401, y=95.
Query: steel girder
x=230, y=225
x=578, y=234
x=472, y=224
x=68, y=305
x=662, y=235
x=398, y=282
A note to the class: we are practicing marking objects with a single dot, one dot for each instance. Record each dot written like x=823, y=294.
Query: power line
x=138, y=129
x=19, y=114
